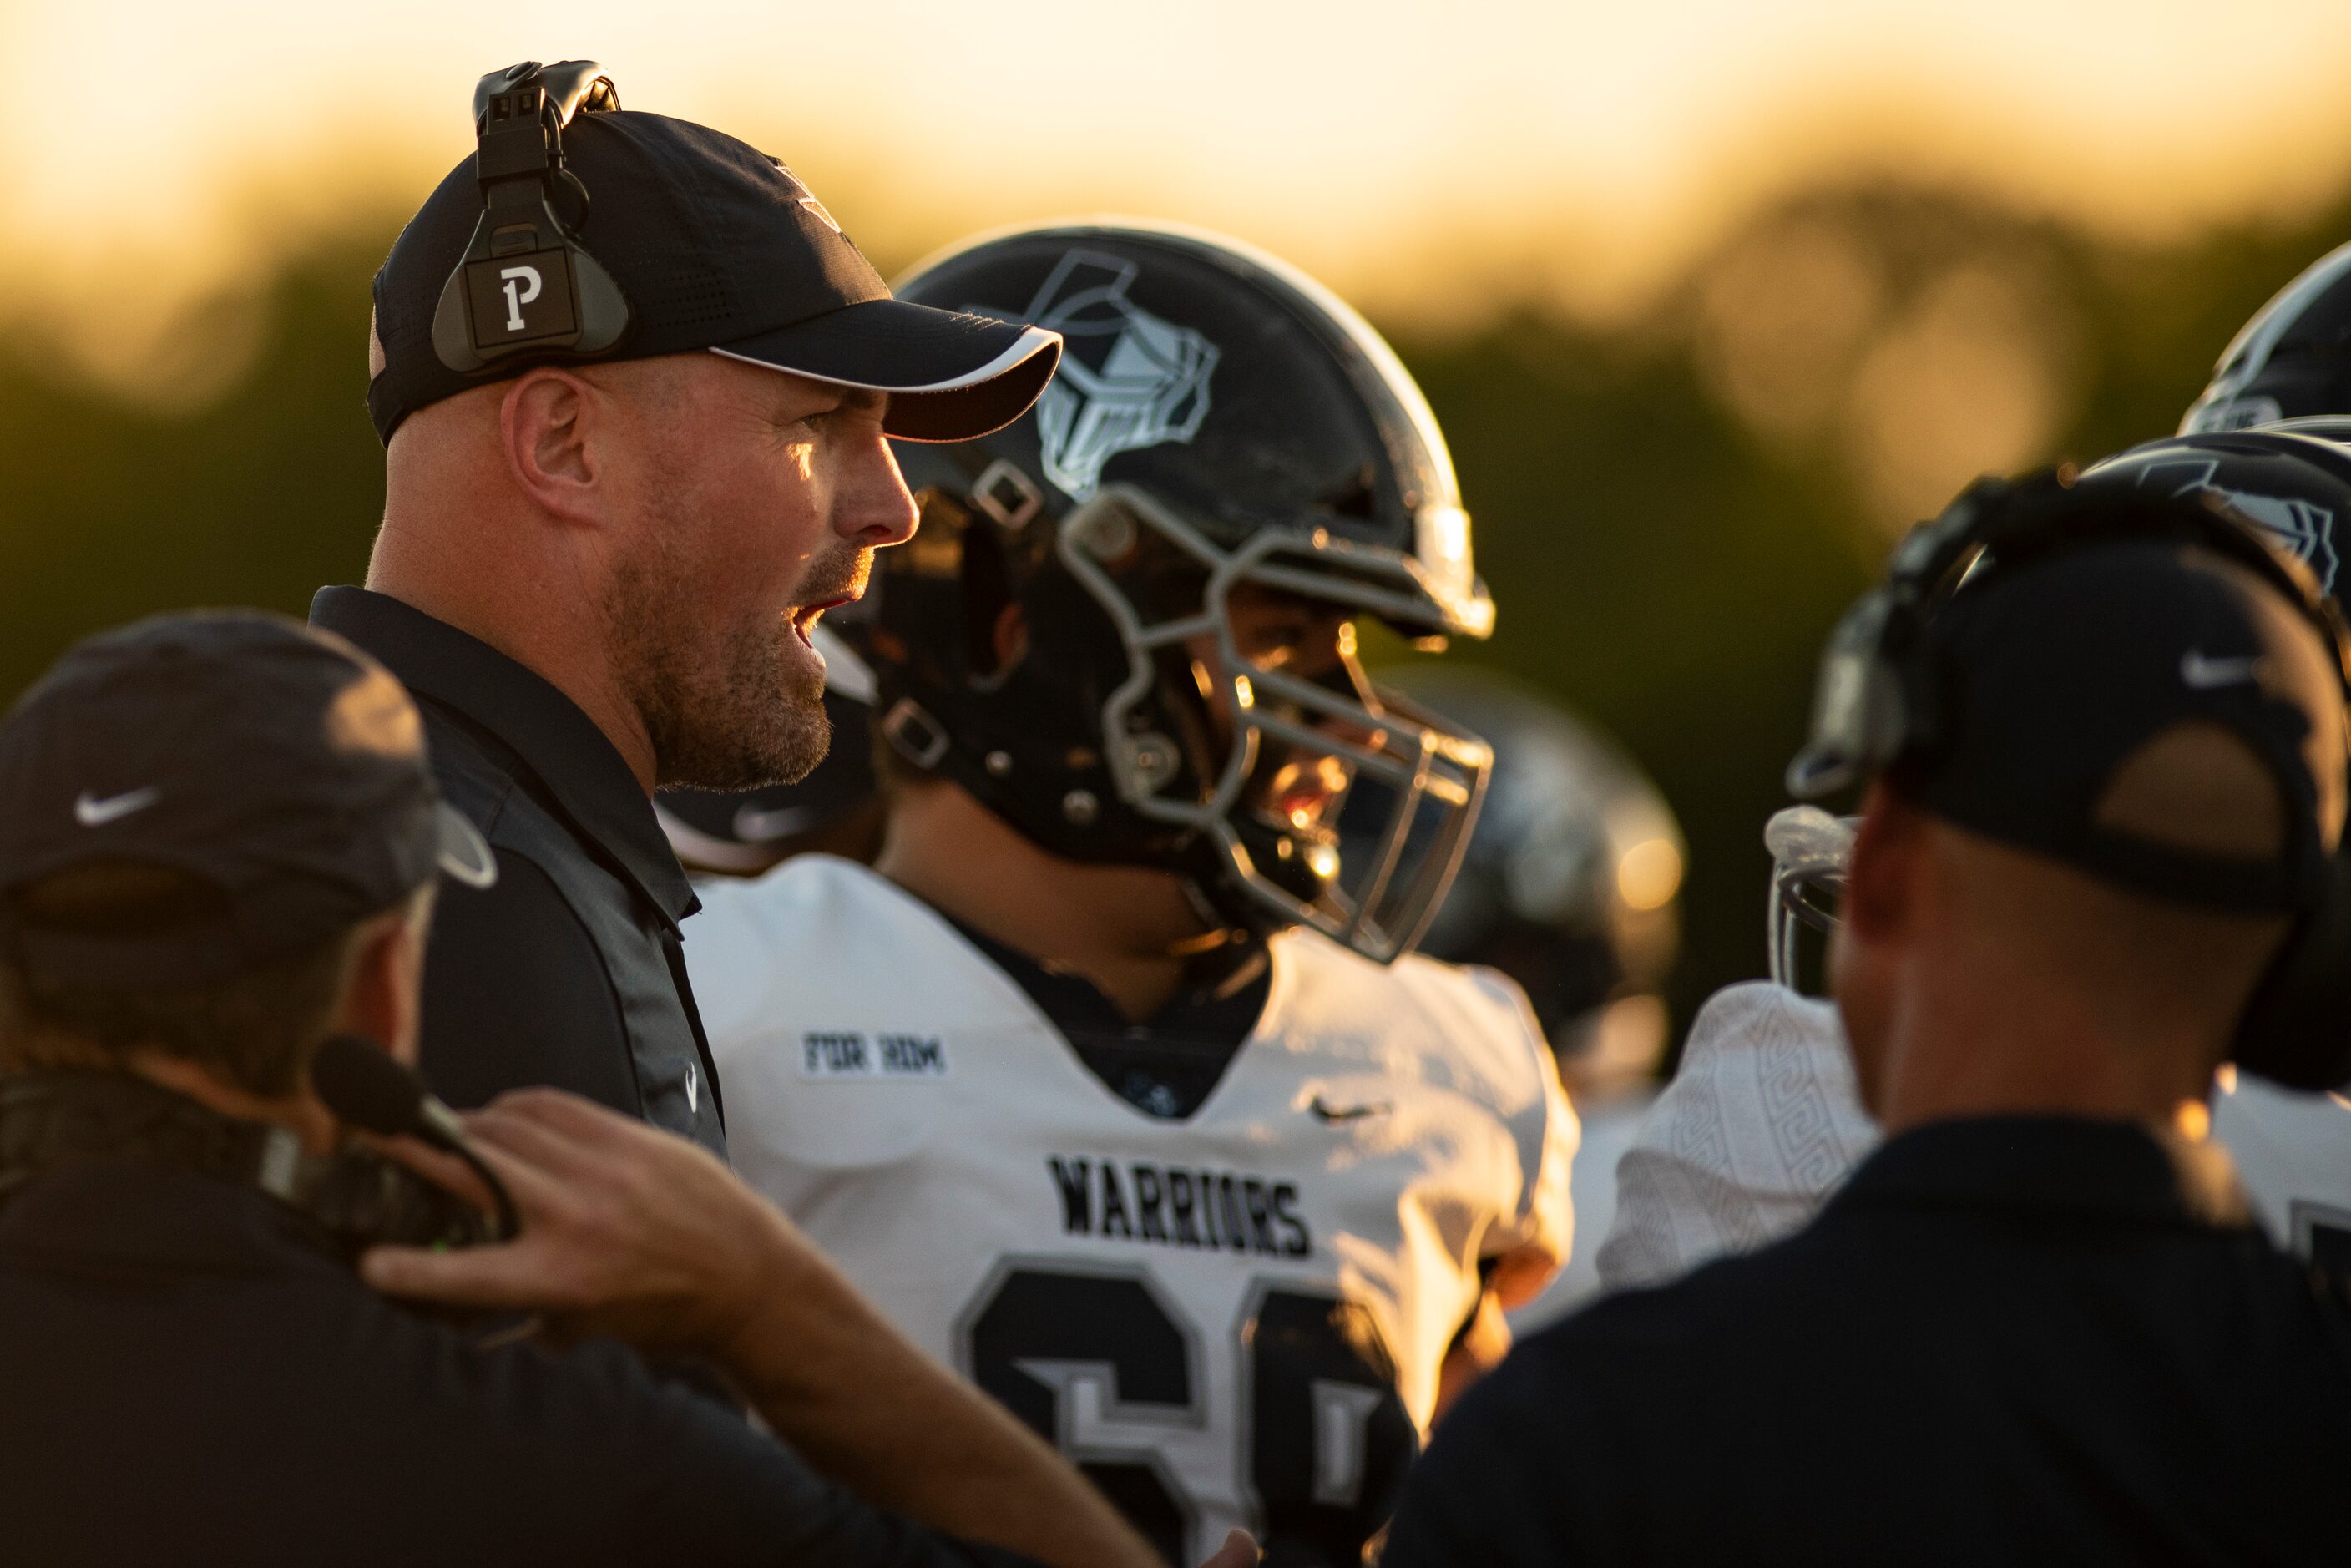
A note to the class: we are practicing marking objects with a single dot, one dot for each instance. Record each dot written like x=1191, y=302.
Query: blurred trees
x=1671, y=510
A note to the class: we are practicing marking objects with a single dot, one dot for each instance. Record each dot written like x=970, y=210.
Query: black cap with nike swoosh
x=278, y=765
x=2054, y=673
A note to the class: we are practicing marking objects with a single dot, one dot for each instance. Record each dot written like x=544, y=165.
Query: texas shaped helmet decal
x=2304, y=529
x=1128, y=379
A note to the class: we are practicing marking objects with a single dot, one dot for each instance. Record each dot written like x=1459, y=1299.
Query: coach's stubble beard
x=726, y=706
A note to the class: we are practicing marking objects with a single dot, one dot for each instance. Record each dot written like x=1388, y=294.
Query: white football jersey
x=1763, y=1120
x=1235, y=1318
x=2293, y=1153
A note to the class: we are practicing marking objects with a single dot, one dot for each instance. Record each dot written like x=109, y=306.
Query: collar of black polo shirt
x=2057, y=1165
x=576, y=766
x=123, y=1212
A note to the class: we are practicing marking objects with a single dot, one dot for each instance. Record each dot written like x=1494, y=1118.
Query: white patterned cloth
x=1761, y=1123
x=1763, y=1120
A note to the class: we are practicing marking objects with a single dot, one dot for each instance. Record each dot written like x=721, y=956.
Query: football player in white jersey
x=1764, y=1119
x=1569, y=888
x=1115, y=1084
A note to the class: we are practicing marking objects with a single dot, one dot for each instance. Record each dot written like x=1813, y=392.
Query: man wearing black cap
x=634, y=385
x=219, y=841
x=2038, y=1323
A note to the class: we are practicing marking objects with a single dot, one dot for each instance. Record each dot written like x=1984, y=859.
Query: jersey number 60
x=1086, y=1358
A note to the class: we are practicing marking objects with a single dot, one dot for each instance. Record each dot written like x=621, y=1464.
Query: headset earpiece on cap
x=525, y=283
x=1874, y=700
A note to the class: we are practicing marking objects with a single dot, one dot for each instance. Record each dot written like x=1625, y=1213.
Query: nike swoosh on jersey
x=93, y=813
x=1329, y=1114
x=2204, y=674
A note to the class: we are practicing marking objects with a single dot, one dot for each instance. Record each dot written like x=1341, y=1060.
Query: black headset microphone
x=356, y=1079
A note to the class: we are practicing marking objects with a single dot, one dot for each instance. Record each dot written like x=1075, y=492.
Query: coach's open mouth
x=805, y=618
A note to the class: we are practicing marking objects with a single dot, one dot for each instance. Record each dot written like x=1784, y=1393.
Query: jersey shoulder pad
x=2293, y=1154
x=825, y=938
x=1470, y=1028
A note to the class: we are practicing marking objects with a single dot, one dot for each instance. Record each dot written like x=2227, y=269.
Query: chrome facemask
x=1432, y=773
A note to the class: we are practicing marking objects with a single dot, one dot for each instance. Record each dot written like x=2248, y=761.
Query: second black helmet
x=1225, y=439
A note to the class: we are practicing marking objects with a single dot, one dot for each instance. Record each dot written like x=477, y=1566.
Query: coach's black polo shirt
x=568, y=971
x=2006, y=1339
x=189, y=1374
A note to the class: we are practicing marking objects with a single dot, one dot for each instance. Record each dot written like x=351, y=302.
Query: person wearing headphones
x=1762, y=1119
x=2105, y=784
x=636, y=391
x=221, y=843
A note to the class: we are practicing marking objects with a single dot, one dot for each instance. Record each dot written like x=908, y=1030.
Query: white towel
x=1761, y=1123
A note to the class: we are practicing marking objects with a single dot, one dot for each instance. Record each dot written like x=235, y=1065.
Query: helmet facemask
x=1249, y=762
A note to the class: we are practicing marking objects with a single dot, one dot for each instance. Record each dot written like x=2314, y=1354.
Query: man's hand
x=1477, y=1349
x=1238, y=1551
x=638, y=1234
x=626, y=1231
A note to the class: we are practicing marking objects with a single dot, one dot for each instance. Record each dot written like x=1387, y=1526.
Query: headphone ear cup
x=2296, y=1029
x=1858, y=720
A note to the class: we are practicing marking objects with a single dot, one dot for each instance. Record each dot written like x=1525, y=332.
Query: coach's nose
x=873, y=509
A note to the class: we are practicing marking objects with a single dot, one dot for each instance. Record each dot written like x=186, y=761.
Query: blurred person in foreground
x=1764, y=1119
x=219, y=844
x=1115, y=1080
x=2106, y=780
x=626, y=472
x=1569, y=886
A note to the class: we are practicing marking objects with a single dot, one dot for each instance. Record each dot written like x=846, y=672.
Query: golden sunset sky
x=1429, y=158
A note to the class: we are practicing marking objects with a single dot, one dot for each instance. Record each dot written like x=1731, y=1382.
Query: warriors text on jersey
x=1236, y=1317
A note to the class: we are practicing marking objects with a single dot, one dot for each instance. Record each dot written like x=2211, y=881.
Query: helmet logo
x=1128, y=379
x=2303, y=530
x=2223, y=416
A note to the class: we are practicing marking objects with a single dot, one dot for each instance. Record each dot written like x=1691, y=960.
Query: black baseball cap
x=2054, y=673
x=275, y=763
x=716, y=246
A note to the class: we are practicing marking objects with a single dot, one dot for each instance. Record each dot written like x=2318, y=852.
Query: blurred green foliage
x=1671, y=510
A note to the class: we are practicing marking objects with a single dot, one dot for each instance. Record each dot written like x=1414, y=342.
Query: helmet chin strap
x=1218, y=921
x=1207, y=941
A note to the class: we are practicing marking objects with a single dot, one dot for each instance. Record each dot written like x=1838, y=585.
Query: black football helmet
x=1571, y=882
x=2292, y=359
x=1057, y=637
x=2293, y=479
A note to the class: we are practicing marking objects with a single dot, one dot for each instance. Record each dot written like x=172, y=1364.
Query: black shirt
x=1167, y=1065
x=570, y=971
x=188, y=1375
x=2006, y=1339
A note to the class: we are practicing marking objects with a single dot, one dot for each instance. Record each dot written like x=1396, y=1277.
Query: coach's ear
x=1876, y=916
x=547, y=419
x=1881, y=880
x=383, y=1000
